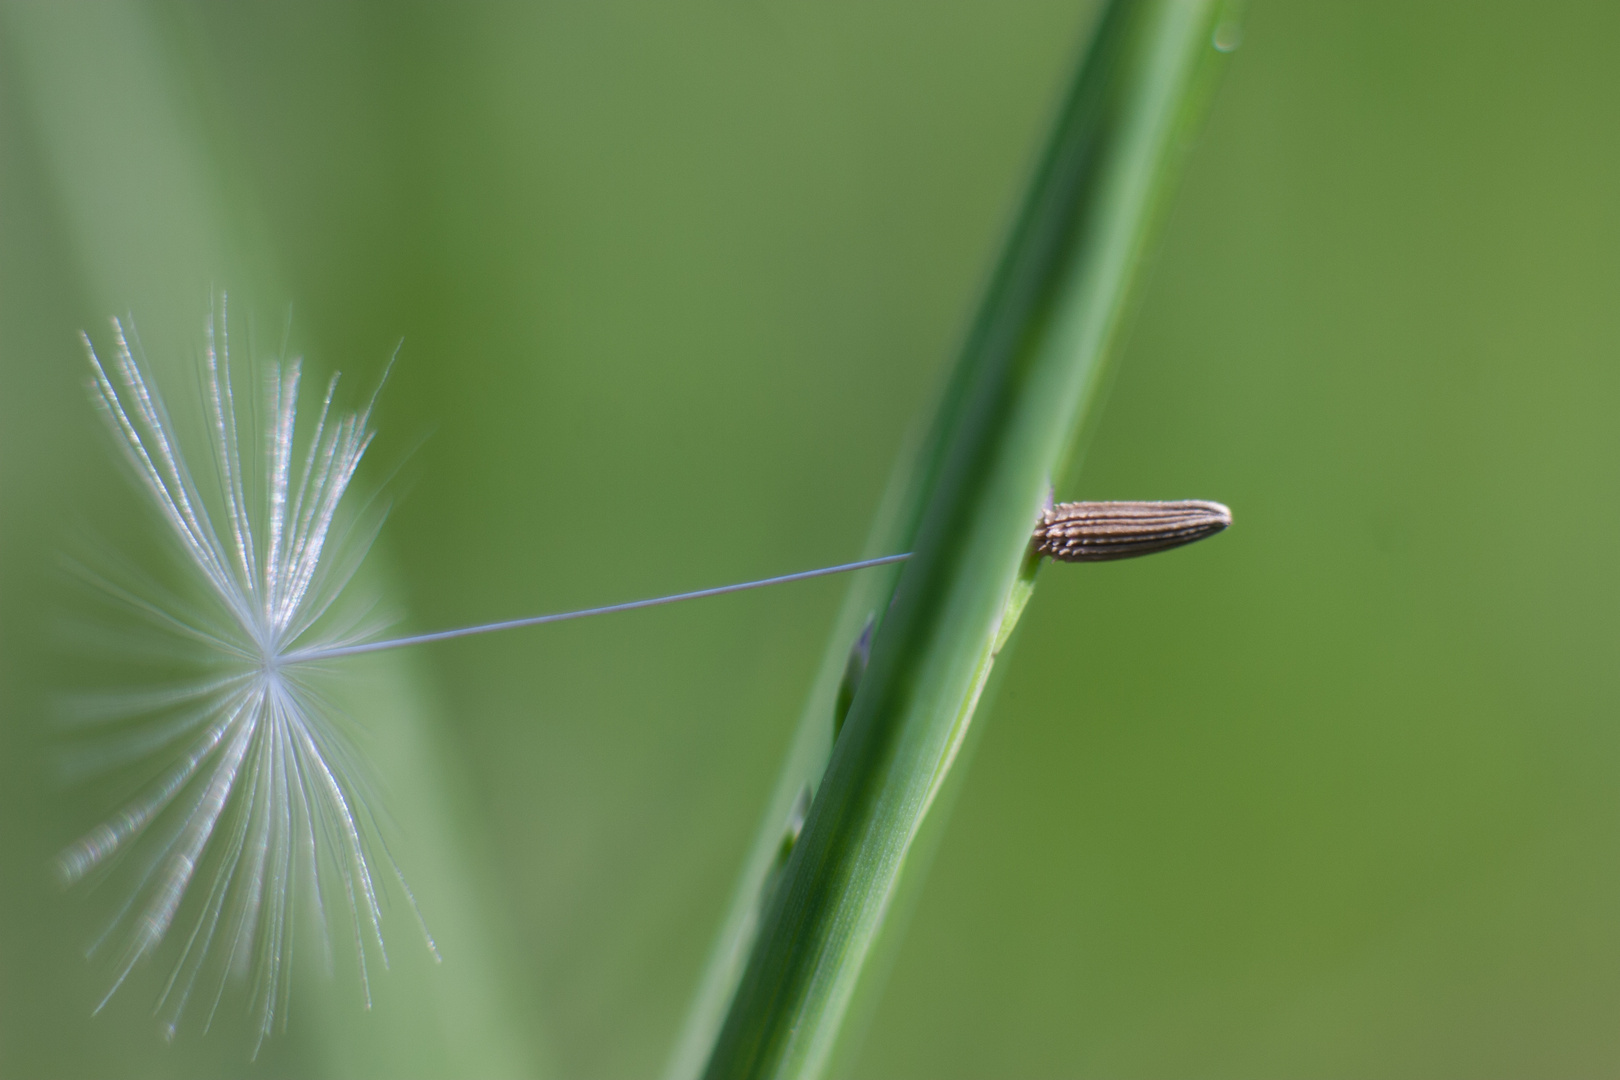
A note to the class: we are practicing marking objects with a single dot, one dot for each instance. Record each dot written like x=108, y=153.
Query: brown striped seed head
x=1099, y=531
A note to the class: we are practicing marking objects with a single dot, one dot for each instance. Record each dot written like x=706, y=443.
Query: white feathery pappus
x=256, y=800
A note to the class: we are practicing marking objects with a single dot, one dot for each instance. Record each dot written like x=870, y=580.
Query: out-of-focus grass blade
x=1008, y=422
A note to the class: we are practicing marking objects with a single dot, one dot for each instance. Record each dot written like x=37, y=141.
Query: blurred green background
x=1334, y=795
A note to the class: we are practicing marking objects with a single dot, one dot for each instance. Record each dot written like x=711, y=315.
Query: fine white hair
x=256, y=801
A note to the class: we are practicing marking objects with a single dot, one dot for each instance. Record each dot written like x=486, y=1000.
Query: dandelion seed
x=259, y=798
x=1105, y=531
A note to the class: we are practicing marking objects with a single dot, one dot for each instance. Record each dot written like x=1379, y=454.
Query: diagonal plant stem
x=1051, y=316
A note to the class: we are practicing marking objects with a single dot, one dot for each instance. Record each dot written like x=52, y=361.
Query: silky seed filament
x=1068, y=532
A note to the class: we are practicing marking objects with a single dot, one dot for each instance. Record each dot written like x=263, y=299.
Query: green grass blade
x=1028, y=371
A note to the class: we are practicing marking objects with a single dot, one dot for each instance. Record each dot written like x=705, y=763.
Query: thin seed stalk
x=1029, y=369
